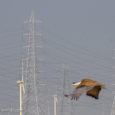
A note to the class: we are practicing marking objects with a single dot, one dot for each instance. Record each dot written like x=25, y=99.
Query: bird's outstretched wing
x=78, y=92
x=94, y=92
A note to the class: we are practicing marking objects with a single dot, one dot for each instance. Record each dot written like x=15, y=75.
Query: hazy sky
x=78, y=33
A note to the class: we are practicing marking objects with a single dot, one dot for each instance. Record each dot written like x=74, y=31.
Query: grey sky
x=79, y=33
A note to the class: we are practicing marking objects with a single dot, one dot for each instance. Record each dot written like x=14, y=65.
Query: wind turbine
x=21, y=84
x=55, y=103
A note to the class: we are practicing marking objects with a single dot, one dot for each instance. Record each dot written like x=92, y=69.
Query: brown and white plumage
x=88, y=86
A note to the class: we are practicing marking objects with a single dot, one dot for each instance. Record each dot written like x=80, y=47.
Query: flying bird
x=88, y=86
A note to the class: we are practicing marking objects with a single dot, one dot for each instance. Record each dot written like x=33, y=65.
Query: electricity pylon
x=113, y=104
x=31, y=104
x=113, y=107
x=66, y=90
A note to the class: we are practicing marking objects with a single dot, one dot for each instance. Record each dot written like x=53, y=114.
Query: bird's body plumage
x=89, y=82
x=88, y=86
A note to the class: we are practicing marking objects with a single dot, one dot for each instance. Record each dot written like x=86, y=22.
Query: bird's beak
x=76, y=84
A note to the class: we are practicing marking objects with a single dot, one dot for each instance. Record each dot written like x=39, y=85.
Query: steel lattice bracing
x=113, y=107
x=66, y=104
x=113, y=104
x=31, y=104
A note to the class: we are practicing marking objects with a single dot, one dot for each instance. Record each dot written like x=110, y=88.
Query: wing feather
x=78, y=92
x=94, y=92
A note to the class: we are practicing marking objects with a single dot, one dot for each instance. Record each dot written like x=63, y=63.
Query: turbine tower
x=31, y=104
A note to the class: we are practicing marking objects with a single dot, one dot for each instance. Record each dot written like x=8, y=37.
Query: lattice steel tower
x=31, y=103
x=113, y=104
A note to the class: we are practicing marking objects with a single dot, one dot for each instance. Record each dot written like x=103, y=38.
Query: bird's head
x=76, y=84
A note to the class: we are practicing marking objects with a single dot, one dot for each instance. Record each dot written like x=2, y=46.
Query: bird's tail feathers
x=103, y=86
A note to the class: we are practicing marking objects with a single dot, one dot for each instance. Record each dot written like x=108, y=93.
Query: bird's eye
x=74, y=82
